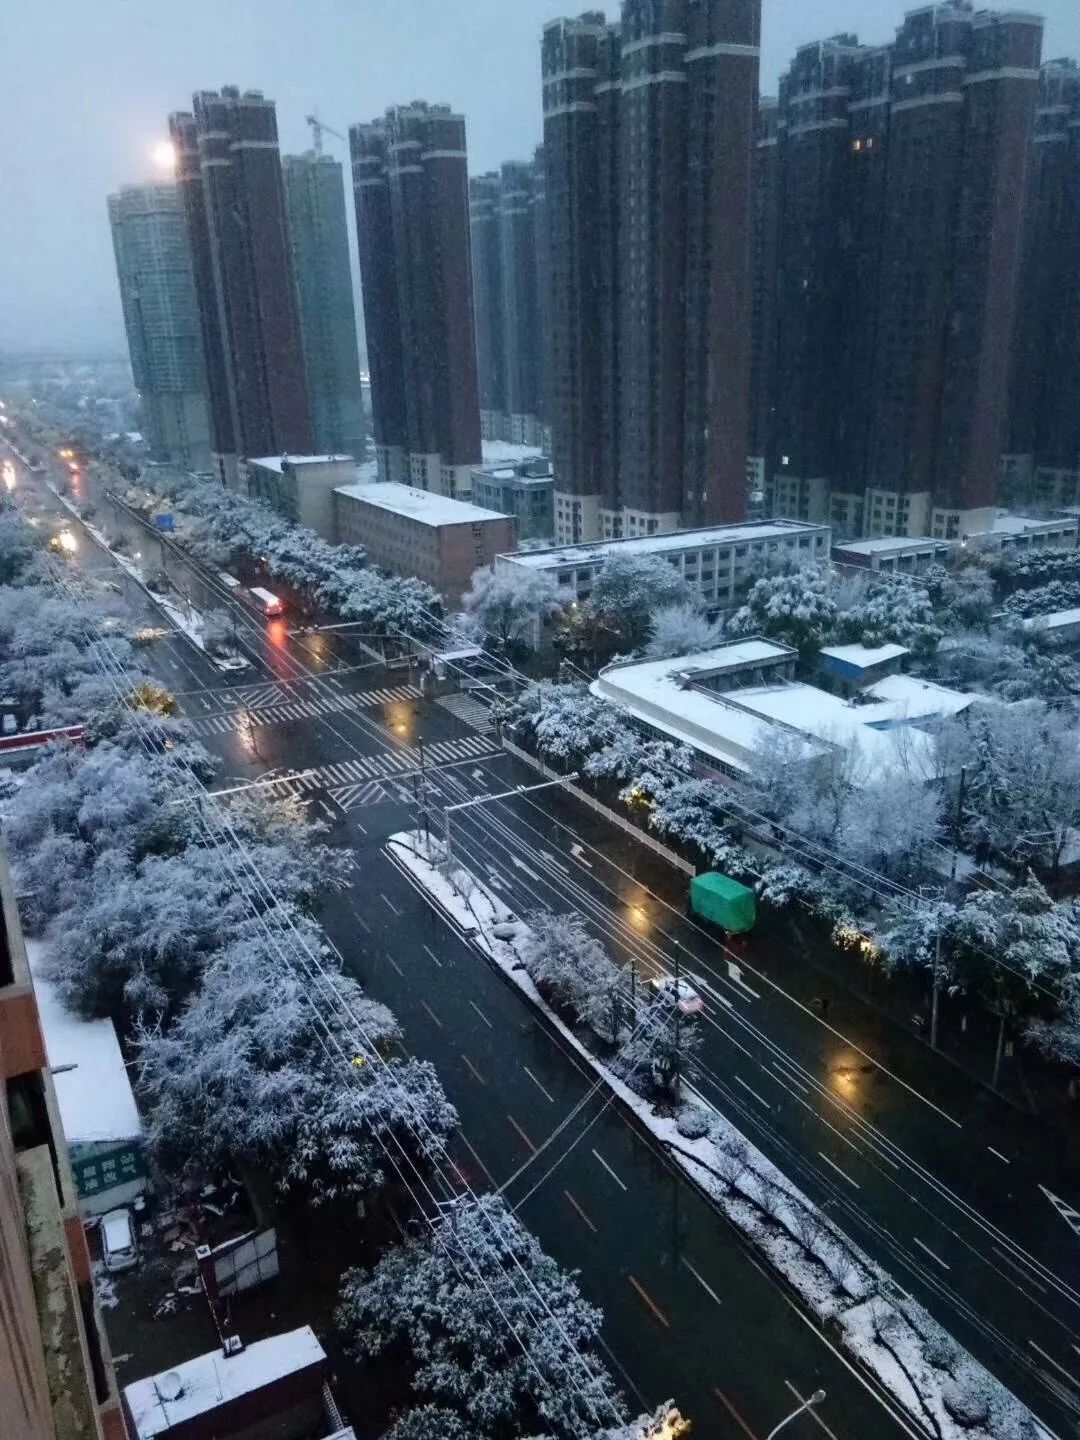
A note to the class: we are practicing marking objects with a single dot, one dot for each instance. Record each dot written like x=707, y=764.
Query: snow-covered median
x=944, y=1390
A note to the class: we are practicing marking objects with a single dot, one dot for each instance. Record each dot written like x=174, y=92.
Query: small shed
x=853, y=667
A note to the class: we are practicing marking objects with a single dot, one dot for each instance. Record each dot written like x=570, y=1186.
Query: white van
x=119, y=1249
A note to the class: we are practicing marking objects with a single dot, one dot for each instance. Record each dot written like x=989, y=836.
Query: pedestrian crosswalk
x=260, y=709
x=357, y=781
x=470, y=711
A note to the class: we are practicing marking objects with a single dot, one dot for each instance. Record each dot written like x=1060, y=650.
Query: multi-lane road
x=933, y=1176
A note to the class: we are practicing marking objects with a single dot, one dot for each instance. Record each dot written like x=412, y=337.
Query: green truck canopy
x=724, y=901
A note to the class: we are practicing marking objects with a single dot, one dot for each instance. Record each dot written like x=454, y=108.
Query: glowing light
x=164, y=154
x=68, y=543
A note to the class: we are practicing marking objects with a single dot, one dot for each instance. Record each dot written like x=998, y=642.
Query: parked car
x=119, y=1248
x=9, y=725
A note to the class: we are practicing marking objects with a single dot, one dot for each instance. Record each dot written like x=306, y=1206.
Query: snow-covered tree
x=572, y=968
x=510, y=601
x=891, y=824
x=660, y=1049
x=270, y=1067
x=962, y=599
x=681, y=629
x=564, y=722
x=617, y=617
x=796, y=607
x=493, y=1330
x=1044, y=599
x=649, y=764
x=20, y=545
x=891, y=611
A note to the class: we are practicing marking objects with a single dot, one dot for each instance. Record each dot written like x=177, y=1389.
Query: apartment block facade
x=315, y=204
x=885, y=369
x=410, y=183
x=1042, y=461
x=648, y=139
x=229, y=173
x=157, y=295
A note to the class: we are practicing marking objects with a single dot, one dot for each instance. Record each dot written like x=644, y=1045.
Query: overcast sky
x=87, y=85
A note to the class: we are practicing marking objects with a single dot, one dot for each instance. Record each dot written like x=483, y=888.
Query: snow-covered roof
x=864, y=657
x=571, y=555
x=892, y=544
x=296, y=462
x=1006, y=524
x=1054, y=620
x=211, y=1380
x=730, y=726
x=95, y=1098
x=423, y=506
x=499, y=450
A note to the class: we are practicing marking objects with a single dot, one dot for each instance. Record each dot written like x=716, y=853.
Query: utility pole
x=678, y=1028
x=423, y=793
x=957, y=822
x=936, y=993
x=503, y=795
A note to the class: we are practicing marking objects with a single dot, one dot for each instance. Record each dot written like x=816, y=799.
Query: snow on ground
x=882, y=1326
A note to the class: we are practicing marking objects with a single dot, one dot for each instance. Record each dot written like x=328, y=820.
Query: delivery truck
x=723, y=902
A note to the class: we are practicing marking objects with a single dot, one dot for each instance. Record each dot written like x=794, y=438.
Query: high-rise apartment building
x=229, y=173
x=902, y=173
x=315, y=204
x=1043, y=459
x=410, y=181
x=648, y=138
x=157, y=293
x=765, y=229
x=504, y=215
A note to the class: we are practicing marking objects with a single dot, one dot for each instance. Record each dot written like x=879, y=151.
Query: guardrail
x=30, y=739
x=641, y=836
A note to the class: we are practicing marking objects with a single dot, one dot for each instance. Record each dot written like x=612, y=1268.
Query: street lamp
x=815, y=1399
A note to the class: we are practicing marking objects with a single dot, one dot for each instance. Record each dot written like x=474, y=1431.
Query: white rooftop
x=570, y=555
x=275, y=462
x=887, y=544
x=1053, y=620
x=885, y=726
x=496, y=450
x=864, y=656
x=212, y=1380
x=96, y=1100
x=1006, y=524
x=423, y=506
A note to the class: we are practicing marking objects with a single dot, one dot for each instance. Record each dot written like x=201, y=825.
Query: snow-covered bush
x=1043, y=599
x=575, y=970
x=681, y=629
x=693, y=1123
x=510, y=1358
x=661, y=1047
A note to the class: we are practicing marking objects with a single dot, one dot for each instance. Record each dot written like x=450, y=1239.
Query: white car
x=119, y=1248
x=231, y=663
x=690, y=1002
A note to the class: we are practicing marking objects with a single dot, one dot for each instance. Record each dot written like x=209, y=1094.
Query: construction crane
x=318, y=129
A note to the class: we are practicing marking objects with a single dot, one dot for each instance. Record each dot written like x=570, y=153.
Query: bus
x=268, y=603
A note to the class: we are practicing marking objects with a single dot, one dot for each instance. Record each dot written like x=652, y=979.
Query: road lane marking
x=1018, y=1268
x=1040, y=1351
x=839, y=1134
x=536, y=1082
x=649, y=1301
x=579, y=855
x=702, y=1282
x=521, y=1132
x=472, y=1151
x=550, y=858
x=396, y=966
x=473, y=1068
x=735, y=976
x=480, y=1012
x=433, y=956
x=391, y=904
x=836, y=1167
x=922, y=1246
x=999, y=1155
x=790, y=1079
x=580, y=1211
x=760, y=1099
x=730, y=1408
x=431, y=1012
x=609, y=1170
x=361, y=921
x=812, y=1412
x=522, y=866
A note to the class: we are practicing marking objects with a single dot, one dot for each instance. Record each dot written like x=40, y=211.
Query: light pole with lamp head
x=815, y=1399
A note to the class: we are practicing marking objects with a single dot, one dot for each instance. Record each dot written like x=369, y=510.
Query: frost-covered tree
x=20, y=546
x=891, y=824
x=650, y=764
x=510, y=601
x=493, y=1330
x=573, y=969
x=273, y=1068
x=962, y=599
x=618, y=614
x=564, y=722
x=681, y=629
x=1044, y=599
x=891, y=611
x=796, y=607
x=51, y=651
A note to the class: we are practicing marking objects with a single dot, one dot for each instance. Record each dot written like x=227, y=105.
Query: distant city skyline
x=81, y=118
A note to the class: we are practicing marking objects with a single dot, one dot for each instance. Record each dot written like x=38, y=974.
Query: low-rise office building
x=416, y=532
x=894, y=554
x=719, y=561
x=299, y=488
x=525, y=490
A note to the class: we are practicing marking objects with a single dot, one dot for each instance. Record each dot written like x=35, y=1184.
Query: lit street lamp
x=815, y=1399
